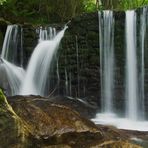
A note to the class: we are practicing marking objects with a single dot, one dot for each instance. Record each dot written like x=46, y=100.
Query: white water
x=121, y=123
x=134, y=94
x=106, y=29
x=14, y=76
x=131, y=67
x=142, y=74
x=12, y=46
x=10, y=37
x=39, y=64
x=46, y=33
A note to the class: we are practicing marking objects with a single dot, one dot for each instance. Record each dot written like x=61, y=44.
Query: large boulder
x=53, y=124
x=13, y=130
x=84, y=108
x=34, y=121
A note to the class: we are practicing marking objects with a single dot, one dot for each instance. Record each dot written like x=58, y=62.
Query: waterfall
x=12, y=45
x=106, y=29
x=131, y=67
x=10, y=37
x=34, y=83
x=12, y=73
x=39, y=64
x=46, y=33
x=135, y=64
x=14, y=76
x=142, y=65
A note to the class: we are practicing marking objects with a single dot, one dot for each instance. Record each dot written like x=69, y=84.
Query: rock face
x=13, y=131
x=36, y=122
x=84, y=108
x=52, y=118
x=53, y=124
x=3, y=26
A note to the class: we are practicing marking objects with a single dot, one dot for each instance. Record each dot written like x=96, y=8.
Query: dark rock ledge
x=35, y=122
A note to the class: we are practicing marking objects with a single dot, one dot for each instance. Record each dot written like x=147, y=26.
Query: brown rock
x=13, y=131
x=116, y=144
x=36, y=122
x=52, y=119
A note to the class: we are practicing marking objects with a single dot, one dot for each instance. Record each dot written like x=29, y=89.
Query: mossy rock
x=3, y=100
x=13, y=131
x=36, y=122
x=54, y=125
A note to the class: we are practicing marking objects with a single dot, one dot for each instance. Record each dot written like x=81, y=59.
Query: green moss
x=2, y=97
x=4, y=105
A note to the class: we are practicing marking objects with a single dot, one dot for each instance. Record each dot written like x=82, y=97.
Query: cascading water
x=17, y=74
x=46, y=33
x=13, y=74
x=10, y=36
x=11, y=47
x=134, y=76
x=131, y=67
x=142, y=65
x=40, y=62
x=106, y=29
x=39, y=65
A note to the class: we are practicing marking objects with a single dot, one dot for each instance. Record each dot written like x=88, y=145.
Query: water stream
x=12, y=74
x=39, y=65
x=134, y=117
x=106, y=29
x=131, y=67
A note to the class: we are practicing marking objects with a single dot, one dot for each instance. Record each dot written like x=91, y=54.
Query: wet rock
x=84, y=108
x=116, y=144
x=13, y=131
x=51, y=118
x=53, y=125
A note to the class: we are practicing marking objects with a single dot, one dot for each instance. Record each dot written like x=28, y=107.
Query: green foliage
x=43, y=11
x=47, y=11
x=89, y=5
x=126, y=4
x=2, y=1
x=122, y=4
